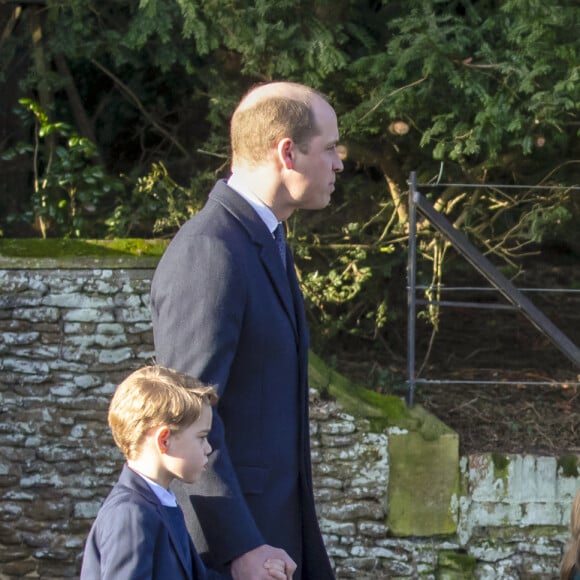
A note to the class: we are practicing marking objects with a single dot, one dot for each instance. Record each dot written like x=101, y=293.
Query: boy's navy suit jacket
x=132, y=538
x=225, y=311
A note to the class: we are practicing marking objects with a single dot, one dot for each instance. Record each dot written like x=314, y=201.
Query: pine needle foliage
x=476, y=91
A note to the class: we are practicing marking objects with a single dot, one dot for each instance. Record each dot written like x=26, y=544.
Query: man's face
x=315, y=170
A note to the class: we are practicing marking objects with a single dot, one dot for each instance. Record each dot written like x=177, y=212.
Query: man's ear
x=286, y=153
x=162, y=435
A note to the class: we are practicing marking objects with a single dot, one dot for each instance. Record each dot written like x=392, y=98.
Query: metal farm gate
x=418, y=204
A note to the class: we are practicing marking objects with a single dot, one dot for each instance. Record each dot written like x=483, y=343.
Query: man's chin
x=319, y=203
x=325, y=199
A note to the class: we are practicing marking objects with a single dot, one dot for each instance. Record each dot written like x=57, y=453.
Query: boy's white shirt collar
x=243, y=189
x=165, y=496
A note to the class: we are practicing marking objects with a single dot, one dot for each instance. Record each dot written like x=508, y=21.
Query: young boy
x=160, y=420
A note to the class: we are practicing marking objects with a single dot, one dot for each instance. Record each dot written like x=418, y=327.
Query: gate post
x=411, y=289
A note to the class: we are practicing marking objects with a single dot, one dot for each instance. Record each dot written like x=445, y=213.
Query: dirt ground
x=541, y=420
x=503, y=417
x=513, y=411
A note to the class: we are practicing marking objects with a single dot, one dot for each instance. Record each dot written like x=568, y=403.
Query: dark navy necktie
x=280, y=237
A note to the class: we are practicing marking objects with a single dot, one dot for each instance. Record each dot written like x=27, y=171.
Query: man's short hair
x=255, y=129
x=154, y=396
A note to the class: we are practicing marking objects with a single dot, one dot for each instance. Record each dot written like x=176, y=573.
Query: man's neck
x=263, y=182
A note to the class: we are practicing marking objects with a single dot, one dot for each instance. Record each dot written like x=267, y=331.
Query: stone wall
x=67, y=338
x=69, y=335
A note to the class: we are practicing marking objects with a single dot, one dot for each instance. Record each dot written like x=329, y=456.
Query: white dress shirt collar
x=245, y=190
x=165, y=496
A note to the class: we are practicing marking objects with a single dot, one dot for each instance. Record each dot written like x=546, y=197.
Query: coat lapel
x=237, y=206
x=133, y=481
x=280, y=281
x=178, y=544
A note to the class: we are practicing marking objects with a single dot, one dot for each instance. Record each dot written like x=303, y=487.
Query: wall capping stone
x=38, y=254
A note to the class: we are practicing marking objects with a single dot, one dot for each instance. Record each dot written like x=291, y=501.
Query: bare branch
x=135, y=99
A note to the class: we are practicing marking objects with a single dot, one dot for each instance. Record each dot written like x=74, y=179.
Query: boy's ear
x=162, y=435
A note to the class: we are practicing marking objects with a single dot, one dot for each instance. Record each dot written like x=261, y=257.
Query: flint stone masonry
x=68, y=336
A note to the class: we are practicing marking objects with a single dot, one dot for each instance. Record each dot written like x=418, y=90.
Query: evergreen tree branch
x=137, y=102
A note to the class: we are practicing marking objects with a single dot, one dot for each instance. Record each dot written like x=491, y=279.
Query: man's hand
x=252, y=564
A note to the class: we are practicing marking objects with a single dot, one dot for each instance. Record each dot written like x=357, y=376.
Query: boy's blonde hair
x=153, y=396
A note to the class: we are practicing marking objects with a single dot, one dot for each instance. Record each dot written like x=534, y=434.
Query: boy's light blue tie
x=280, y=237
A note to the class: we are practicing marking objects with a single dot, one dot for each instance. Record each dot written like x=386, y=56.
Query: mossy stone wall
x=71, y=328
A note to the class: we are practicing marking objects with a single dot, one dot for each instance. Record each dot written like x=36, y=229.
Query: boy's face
x=187, y=450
